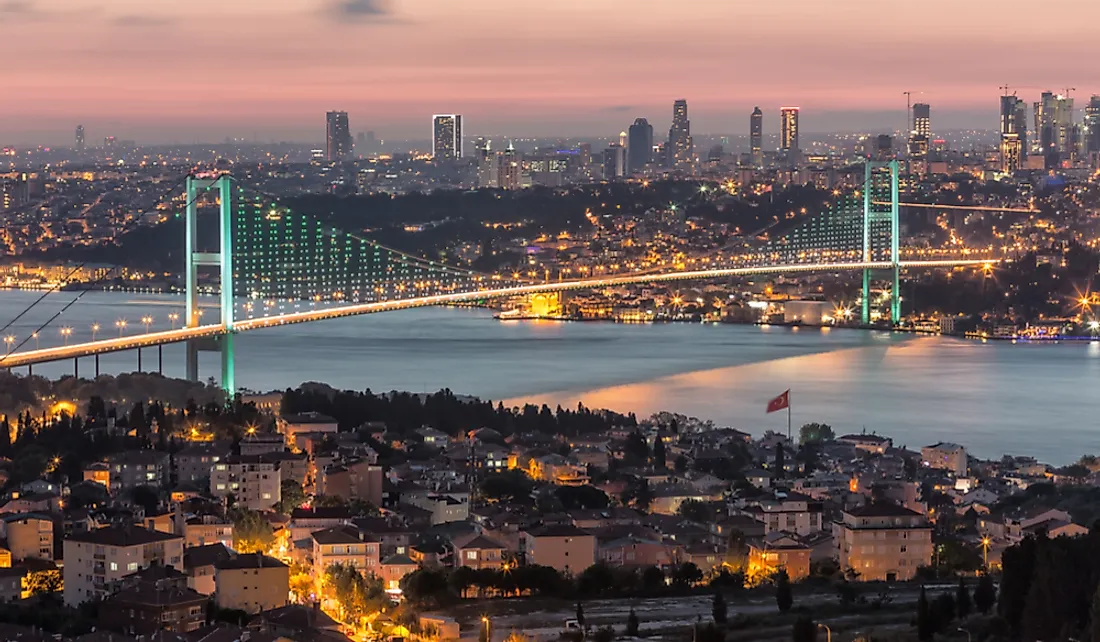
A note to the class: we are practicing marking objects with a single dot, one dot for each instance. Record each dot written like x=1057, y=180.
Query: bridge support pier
x=30, y=370
x=139, y=360
x=192, y=347
x=76, y=367
x=160, y=358
x=97, y=366
x=872, y=228
x=229, y=375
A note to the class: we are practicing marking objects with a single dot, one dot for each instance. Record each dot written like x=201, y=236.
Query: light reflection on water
x=993, y=397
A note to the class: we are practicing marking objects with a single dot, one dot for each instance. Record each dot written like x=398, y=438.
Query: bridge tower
x=879, y=214
x=223, y=260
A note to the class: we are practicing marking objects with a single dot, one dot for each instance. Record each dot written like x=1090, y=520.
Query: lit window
x=114, y=566
x=132, y=566
x=471, y=555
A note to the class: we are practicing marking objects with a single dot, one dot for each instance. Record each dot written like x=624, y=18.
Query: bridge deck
x=133, y=342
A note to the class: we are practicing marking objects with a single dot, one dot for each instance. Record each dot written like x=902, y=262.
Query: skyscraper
x=338, y=136
x=1013, y=133
x=487, y=169
x=681, y=148
x=1092, y=126
x=922, y=120
x=756, y=136
x=614, y=161
x=508, y=168
x=80, y=138
x=639, y=146
x=447, y=136
x=788, y=131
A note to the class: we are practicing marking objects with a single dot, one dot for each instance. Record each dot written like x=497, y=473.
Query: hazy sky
x=163, y=70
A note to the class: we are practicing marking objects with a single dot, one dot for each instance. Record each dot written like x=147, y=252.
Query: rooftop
x=248, y=560
x=122, y=536
x=882, y=509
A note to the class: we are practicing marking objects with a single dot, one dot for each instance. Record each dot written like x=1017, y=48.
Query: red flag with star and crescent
x=780, y=402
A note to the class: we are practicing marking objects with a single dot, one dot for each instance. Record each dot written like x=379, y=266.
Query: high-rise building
x=614, y=161
x=681, y=148
x=1092, y=126
x=1013, y=133
x=922, y=120
x=447, y=136
x=920, y=135
x=1056, y=132
x=487, y=174
x=756, y=136
x=788, y=131
x=509, y=167
x=80, y=138
x=639, y=146
x=337, y=136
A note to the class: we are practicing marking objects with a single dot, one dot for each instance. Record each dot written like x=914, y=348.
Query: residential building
x=29, y=535
x=198, y=563
x=883, y=542
x=443, y=508
x=151, y=606
x=874, y=444
x=356, y=479
x=788, y=512
x=98, y=472
x=779, y=550
x=479, y=552
x=344, y=545
x=945, y=456
x=11, y=583
x=262, y=444
x=680, y=145
x=134, y=468
x=253, y=480
x=96, y=559
x=636, y=551
x=564, y=547
x=306, y=521
x=204, y=530
x=251, y=583
x=194, y=463
x=395, y=568
x=290, y=426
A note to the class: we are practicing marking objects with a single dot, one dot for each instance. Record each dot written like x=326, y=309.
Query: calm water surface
x=994, y=397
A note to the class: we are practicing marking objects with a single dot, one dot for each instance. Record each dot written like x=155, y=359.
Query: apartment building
x=883, y=542
x=96, y=559
x=253, y=480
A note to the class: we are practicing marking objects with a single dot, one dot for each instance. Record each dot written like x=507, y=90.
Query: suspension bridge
x=268, y=253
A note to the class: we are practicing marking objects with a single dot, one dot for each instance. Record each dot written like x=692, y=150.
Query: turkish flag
x=780, y=402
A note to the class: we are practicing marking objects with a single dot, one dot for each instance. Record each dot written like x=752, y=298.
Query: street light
x=10, y=339
x=121, y=325
x=65, y=332
x=147, y=320
x=488, y=634
x=985, y=550
x=95, y=329
x=828, y=631
x=962, y=630
x=173, y=317
x=35, y=335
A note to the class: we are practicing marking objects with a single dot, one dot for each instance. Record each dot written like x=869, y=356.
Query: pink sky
x=205, y=69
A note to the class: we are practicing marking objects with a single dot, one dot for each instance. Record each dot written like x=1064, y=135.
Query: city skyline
x=142, y=67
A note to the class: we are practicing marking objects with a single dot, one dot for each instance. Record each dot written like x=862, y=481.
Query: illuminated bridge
x=269, y=253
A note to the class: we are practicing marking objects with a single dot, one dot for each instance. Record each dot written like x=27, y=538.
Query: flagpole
x=788, y=415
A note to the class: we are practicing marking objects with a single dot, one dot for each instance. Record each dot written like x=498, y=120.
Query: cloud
x=360, y=9
x=142, y=20
x=13, y=9
x=618, y=109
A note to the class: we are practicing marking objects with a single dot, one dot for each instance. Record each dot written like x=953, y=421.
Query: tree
x=780, y=461
x=659, y=451
x=696, y=511
x=252, y=533
x=686, y=574
x=44, y=582
x=148, y=497
x=632, y=624
x=943, y=610
x=1094, y=616
x=784, y=598
x=718, y=608
x=962, y=599
x=804, y=629
x=291, y=496
x=506, y=486
x=985, y=595
x=815, y=433
x=681, y=464
x=604, y=634
x=580, y=615
x=635, y=447
x=653, y=580
x=926, y=627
